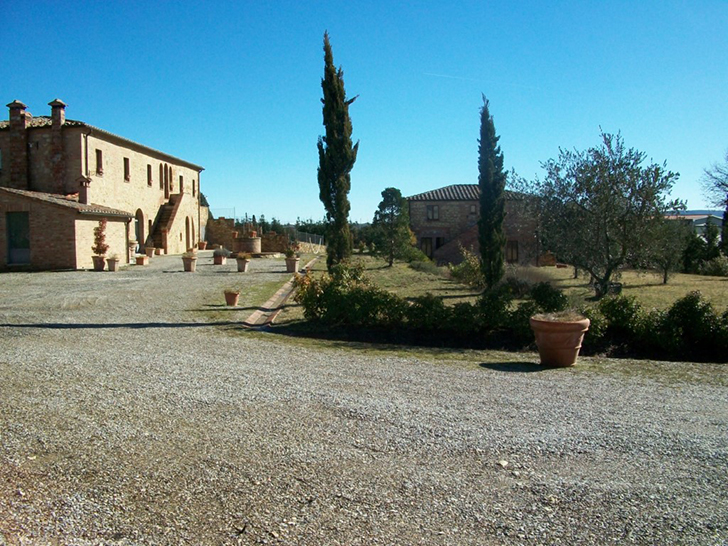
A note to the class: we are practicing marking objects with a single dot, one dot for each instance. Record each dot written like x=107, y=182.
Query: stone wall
x=457, y=225
x=133, y=178
x=60, y=238
x=117, y=235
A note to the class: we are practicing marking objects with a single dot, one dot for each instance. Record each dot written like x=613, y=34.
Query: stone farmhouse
x=445, y=219
x=60, y=177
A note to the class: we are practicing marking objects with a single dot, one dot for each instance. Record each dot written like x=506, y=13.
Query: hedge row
x=347, y=302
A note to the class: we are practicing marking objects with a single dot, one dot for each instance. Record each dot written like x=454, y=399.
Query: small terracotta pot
x=99, y=262
x=292, y=265
x=142, y=259
x=219, y=260
x=190, y=264
x=243, y=265
x=559, y=342
x=202, y=245
x=113, y=264
x=149, y=251
x=231, y=299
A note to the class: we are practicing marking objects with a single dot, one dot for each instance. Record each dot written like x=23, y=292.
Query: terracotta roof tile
x=42, y=121
x=68, y=201
x=456, y=192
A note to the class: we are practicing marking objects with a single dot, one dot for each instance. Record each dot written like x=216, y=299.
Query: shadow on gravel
x=518, y=367
x=223, y=307
x=130, y=325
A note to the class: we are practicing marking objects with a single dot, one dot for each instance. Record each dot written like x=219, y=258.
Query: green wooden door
x=18, y=230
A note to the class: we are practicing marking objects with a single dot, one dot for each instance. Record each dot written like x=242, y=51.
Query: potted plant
x=149, y=247
x=559, y=337
x=202, y=245
x=113, y=262
x=189, y=259
x=100, y=247
x=243, y=259
x=292, y=259
x=231, y=297
x=220, y=255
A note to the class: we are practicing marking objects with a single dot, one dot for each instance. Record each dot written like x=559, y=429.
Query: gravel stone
x=134, y=409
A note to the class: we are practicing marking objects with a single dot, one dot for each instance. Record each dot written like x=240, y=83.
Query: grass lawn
x=646, y=286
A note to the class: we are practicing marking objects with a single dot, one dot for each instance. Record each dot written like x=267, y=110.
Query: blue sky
x=235, y=86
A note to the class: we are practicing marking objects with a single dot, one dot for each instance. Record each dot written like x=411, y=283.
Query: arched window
x=167, y=184
x=188, y=241
x=139, y=227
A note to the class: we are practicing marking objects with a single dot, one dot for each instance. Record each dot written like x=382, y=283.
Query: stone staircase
x=163, y=221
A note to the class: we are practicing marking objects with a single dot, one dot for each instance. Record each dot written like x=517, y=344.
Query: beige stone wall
x=454, y=218
x=39, y=161
x=116, y=238
x=51, y=233
x=457, y=222
x=184, y=231
x=60, y=238
x=140, y=198
x=138, y=193
x=5, y=159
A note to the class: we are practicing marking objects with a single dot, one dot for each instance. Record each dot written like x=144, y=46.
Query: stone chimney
x=57, y=157
x=18, y=145
x=58, y=112
x=84, y=190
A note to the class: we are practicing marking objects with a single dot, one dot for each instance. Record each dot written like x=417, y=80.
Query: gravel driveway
x=135, y=410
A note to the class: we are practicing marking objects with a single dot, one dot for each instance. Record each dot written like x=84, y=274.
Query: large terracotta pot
x=231, y=299
x=559, y=341
x=149, y=250
x=202, y=245
x=219, y=260
x=113, y=264
x=243, y=265
x=99, y=262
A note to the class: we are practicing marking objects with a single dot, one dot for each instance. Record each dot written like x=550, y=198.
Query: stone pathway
x=264, y=316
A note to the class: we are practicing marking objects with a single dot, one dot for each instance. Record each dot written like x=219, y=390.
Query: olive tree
x=600, y=208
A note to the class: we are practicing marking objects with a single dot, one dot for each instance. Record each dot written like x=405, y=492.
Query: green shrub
x=466, y=319
x=520, y=288
x=549, y=298
x=694, y=321
x=411, y=254
x=518, y=322
x=345, y=298
x=622, y=314
x=594, y=340
x=468, y=271
x=654, y=337
x=347, y=274
x=428, y=313
x=368, y=306
x=717, y=267
x=493, y=306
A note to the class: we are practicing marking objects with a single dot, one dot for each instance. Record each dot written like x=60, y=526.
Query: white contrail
x=448, y=76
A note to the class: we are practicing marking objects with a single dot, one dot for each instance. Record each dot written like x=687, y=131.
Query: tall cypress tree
x=724, y=230
x=492, y=181
x=336, y=159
